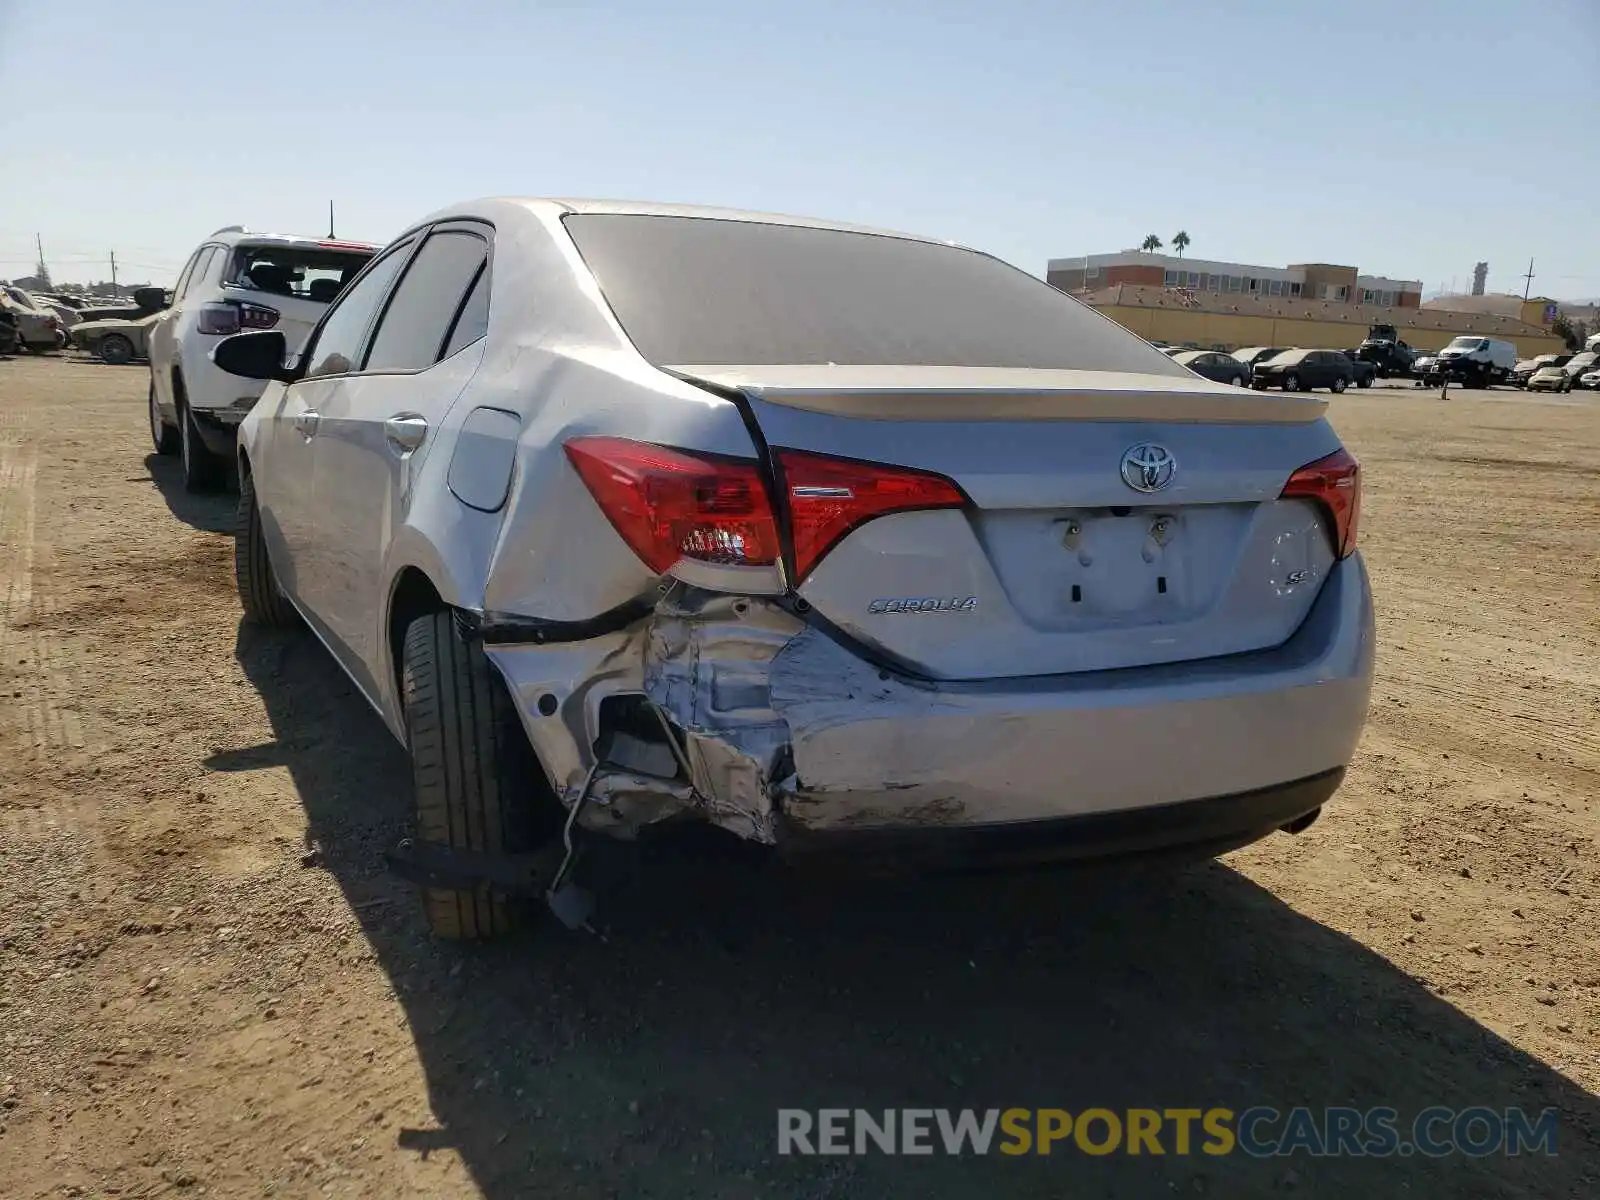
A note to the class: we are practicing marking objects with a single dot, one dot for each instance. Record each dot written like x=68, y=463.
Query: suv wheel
x=260, y=596
x=165, y=436
x=478, y=784
x=1291, y=382
x=1339, y=383
x=203, y=471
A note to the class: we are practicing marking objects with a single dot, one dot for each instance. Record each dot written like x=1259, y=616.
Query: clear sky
x=1410, y=138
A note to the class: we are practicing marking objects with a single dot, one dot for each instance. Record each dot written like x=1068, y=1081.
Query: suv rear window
x=701, y=291
x=306, y=272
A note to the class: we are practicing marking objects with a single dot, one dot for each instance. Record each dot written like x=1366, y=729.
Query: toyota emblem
x=1148, y=467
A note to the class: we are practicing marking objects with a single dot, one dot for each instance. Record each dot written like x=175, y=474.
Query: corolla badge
x=923, y=604
x=1148, y=467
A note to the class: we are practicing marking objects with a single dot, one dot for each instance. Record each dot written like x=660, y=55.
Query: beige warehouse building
x=1230, y=305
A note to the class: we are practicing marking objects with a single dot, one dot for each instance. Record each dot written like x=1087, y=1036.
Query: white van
x=1593, y=342
x=1478, y=361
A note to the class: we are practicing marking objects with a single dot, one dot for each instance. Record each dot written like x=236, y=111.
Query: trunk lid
x=1059, y=564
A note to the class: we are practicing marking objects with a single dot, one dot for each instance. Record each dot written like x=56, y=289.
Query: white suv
x=235, y=281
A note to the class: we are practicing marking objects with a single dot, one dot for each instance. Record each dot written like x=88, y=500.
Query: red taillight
x=1335, y=483
x=671, y=504
x=226, y=318
x=828, y=497
x=257, y=316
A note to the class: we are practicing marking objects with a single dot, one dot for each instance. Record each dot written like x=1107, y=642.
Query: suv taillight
x=231, y=317
x=670, y=504
x=1335, y=483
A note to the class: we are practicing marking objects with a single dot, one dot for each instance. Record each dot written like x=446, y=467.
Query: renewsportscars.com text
x=1259, y=1132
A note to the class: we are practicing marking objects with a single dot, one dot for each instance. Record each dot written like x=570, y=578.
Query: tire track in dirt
x=41, y=682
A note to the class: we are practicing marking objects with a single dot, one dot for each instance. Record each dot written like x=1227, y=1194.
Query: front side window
x=696, y=291
x=411, y=333
x=337, y=343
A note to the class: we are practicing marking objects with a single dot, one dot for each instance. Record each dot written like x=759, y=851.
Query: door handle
x=306, y=422
x=405, y=433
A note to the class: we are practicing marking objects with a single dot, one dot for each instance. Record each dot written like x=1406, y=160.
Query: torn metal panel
x=703, y=659
x=707, y=665
x=558, y=689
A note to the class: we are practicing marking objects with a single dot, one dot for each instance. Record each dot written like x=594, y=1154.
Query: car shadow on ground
x=654, y=1062
x=208, y=511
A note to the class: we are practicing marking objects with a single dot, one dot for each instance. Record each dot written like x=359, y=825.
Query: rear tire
x=1365, y=381
x=203, y=471
x=260, y=596
x=478, y=784
x=114, y=349
x=163, y=435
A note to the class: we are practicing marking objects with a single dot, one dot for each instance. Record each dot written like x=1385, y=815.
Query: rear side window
x=473, y=321
x=412, y=332
x=700, y=291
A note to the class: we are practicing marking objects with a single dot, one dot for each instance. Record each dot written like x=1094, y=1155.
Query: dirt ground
x=208, y=985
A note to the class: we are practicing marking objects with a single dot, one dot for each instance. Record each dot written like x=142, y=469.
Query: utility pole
x=1528, y=286
x=113, y=269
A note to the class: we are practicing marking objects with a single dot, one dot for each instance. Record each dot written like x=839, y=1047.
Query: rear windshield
x=309, y=272
x=700, y=291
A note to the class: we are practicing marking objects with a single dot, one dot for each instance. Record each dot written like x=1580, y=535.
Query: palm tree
x=1151, y=243
x=1180, y=241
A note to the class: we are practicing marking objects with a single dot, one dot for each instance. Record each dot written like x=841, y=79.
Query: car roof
x=550, y=207
x=233, y=235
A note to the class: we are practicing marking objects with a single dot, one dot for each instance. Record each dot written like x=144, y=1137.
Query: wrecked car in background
x=120, y=340
x=38, y=328
x=847, y=542
x=114, y=341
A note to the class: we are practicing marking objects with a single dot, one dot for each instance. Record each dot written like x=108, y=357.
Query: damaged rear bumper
x=1205, y=827
x=787, y=737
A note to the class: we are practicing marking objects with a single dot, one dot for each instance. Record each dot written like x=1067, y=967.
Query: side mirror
x=254, y=356
x=150, y=299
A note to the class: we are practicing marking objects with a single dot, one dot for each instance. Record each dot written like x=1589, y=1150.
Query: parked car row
x=1291, y=369
x=1468, y=360
x=626, y=515
x=1559, y=372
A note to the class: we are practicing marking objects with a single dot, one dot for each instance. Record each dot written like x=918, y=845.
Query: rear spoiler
x=1006, y=394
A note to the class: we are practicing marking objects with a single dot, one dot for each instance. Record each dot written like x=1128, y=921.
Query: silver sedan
x=850, y=543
